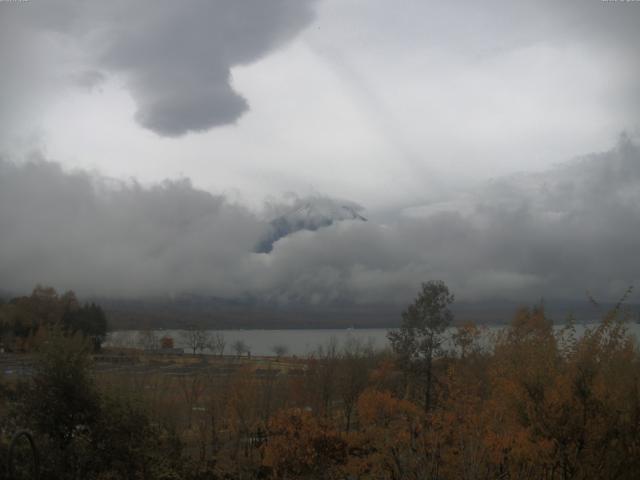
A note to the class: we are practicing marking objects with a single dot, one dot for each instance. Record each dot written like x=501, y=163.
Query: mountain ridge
x=311, y=215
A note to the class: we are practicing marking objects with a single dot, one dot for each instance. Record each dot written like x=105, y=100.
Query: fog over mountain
x=554, y=234
x=427, y=140
x=308, y=214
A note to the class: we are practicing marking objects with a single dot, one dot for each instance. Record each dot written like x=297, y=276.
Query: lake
x=297, y=341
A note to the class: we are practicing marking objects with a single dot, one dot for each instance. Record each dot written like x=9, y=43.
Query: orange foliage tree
x=301, y=445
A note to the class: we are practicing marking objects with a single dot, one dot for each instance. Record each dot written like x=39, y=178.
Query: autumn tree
x=522, y=374
x=82, y=432
x=352, y=375
x=45, y=304
x=192, y=386
x=321, y=376
x=465, y=338
x=242, y=412
x=303, y=446
x=420, y=336
x=387, y=446
x=22, y=317
x=216, y=400
x=60, y=401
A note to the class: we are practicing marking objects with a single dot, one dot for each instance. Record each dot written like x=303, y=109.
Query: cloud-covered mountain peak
x=309, y=214
x=317, y=213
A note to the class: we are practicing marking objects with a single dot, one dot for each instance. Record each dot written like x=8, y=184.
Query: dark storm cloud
x=175, y=57
x=553, y=234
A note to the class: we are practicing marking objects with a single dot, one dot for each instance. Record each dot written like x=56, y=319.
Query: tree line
x=530, y=402
x=21, y=318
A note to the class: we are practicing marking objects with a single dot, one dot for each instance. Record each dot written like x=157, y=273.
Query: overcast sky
x=478, y=136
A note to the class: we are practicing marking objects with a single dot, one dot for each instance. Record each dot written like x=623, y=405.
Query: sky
x=145, y=146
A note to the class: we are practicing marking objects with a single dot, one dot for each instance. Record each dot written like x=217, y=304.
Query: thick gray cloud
x=553, y=234
x=448, y=74
x=108, y=237
x=175, y=57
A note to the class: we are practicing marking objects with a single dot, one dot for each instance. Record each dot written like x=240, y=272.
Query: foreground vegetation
x=529, y=403
x=23, y=318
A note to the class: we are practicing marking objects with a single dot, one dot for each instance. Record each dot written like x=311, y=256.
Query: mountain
x=218, y=313
x=310, y=214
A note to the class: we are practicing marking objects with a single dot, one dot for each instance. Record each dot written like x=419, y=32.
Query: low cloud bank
x=553, y=234
x=99, y=236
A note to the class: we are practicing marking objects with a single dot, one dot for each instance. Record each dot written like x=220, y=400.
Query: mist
x=553, y=234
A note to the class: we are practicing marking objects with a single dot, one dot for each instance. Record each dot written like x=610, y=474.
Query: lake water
x=297, y=342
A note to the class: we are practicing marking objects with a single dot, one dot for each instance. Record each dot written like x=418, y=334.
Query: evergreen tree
x=420, y=336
